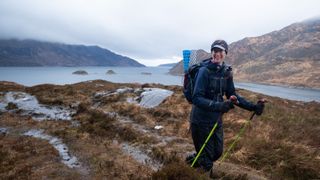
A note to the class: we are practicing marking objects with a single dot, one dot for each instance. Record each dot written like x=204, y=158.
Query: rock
x=110, y=93
x=3, y=130
x=110, y=72
x=67, y=159
x=141, y=156
x=152, y=97
x=146, y=73
x=29, y=105
x=80, y=72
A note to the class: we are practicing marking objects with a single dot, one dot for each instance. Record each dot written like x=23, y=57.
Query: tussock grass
x=283, y=143
x=176, y=169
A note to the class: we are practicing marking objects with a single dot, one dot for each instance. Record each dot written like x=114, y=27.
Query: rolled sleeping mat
x=186, y=59
x=191, y=57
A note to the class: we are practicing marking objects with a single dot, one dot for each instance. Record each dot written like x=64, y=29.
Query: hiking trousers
x=214, y=148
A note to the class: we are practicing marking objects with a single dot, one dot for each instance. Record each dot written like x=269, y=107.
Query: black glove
x=225, y=106
x=259, y=108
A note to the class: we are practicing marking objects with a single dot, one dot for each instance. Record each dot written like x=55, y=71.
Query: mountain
x=167, y=65
x=290, y=56
x=37, y=53
x=199, y=56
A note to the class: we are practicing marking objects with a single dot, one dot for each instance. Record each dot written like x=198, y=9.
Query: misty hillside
x=37, y=53
x=290, y=56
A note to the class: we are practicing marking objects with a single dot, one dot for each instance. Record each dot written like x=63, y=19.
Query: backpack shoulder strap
x=227, y=71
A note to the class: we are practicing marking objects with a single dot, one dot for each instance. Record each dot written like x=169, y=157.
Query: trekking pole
x=240, y=133
x=237, y=137
x=233, y=99
x=205, y=143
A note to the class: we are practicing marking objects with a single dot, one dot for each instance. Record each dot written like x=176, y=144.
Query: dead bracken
x=116, y=137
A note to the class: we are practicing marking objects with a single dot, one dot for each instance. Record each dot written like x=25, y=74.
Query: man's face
x=218, y=55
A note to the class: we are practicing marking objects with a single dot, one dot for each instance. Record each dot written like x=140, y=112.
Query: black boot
x=213, y=175
x=190, y=158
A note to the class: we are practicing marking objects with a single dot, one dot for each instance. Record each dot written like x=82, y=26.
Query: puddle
x=140, y=156
x=29, y=105
x=67, y=159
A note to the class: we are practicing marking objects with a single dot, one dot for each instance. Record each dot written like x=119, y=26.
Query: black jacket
x=213, y=81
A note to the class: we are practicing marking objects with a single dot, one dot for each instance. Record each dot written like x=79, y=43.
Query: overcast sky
x=150, y=31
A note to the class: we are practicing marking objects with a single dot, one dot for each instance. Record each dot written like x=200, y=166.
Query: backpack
x=190, y=78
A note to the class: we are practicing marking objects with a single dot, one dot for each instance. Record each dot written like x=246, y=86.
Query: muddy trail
x=102, y=130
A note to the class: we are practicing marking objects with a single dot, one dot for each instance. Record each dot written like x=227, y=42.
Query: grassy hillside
x=283, y=143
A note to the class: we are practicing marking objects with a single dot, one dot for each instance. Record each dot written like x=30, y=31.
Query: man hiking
x=213, y=80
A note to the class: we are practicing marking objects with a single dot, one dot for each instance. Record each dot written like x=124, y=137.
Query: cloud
x=145, y=29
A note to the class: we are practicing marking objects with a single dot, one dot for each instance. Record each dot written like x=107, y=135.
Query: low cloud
x=148, y=30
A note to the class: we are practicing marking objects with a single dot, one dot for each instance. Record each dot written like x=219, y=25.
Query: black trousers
x=214, y=148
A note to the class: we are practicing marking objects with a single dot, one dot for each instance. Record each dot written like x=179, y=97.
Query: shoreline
x=280, y=85
x=142, y=84
x=267, y=84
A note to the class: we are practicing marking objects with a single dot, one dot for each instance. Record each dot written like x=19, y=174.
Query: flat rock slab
x=152, y=97
x=29, y=105
x=67, y=159
x=141, y=156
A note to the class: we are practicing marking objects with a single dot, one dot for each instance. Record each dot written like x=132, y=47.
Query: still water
x=30, y=76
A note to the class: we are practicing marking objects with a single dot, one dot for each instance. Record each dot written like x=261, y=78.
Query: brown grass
x=283, y=143
x=175, y=169
x=21, y=157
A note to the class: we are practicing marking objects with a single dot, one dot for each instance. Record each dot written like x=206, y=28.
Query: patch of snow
x=152, y=97
x=30, y=106
x=67, y=159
